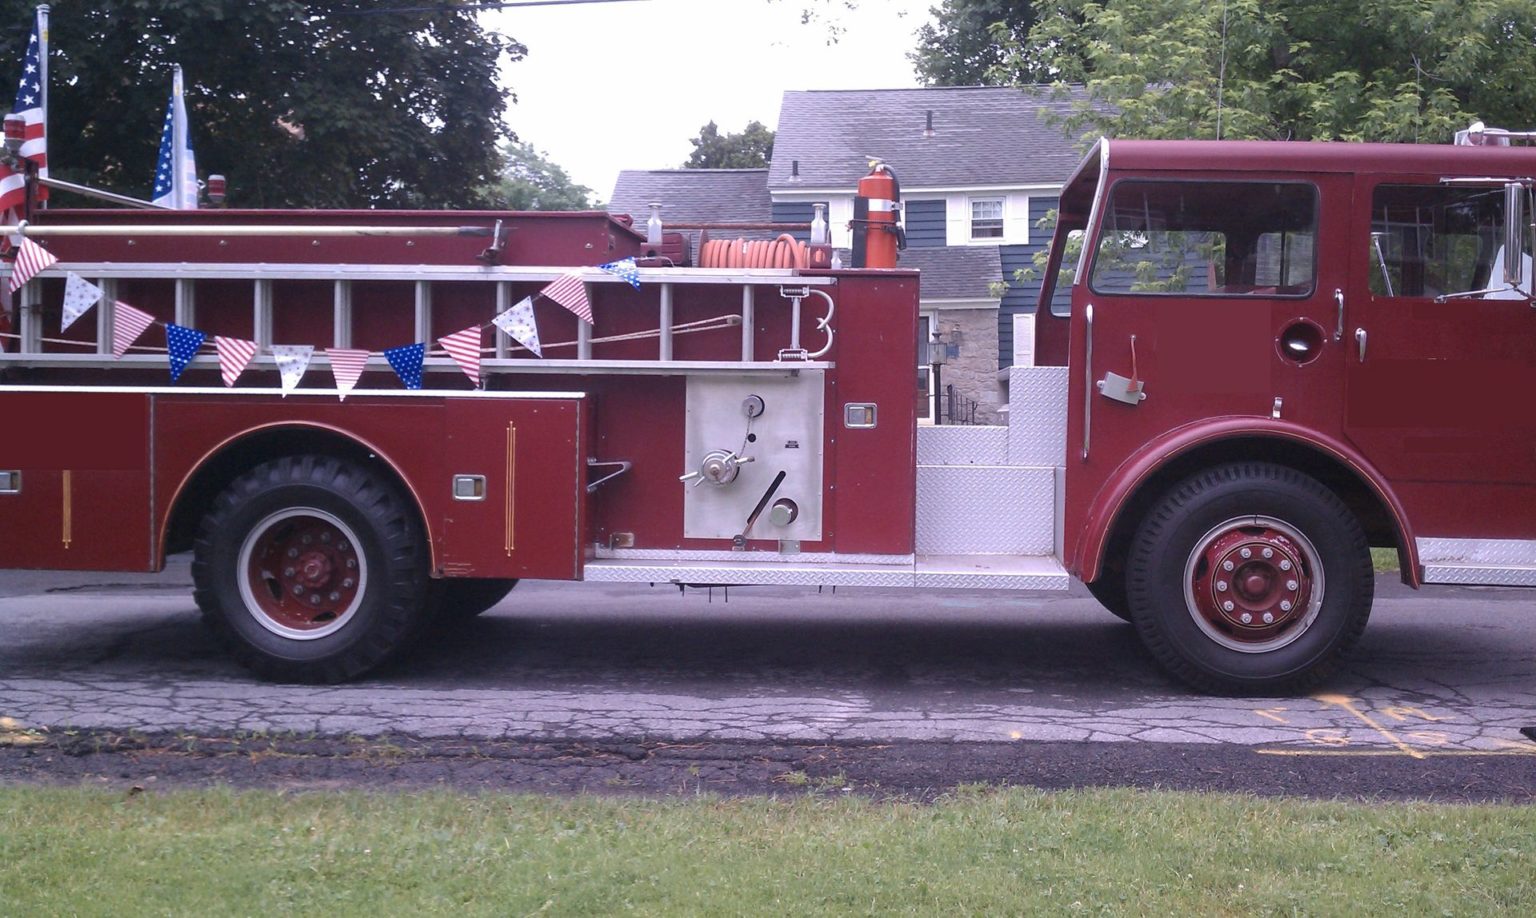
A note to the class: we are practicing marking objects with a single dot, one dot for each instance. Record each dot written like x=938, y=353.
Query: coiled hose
x=783, y=252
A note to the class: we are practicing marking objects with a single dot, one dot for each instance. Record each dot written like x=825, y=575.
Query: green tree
x=529, y=181
x=1395, y=70
x=752, y=148
x=978, y=42
x=314, y=103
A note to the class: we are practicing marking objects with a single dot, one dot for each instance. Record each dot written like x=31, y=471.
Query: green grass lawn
x=1384, y=559
x=94, y=852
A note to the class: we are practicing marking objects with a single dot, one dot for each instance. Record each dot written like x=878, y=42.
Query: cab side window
x=1222, y=239
x=1434, y=240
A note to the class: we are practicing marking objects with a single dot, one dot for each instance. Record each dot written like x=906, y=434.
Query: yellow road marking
x=1364, y=753
x=1348, y=704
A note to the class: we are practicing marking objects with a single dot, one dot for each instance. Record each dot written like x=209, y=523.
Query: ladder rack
x=343, y=277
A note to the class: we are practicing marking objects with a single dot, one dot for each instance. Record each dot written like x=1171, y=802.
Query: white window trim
x=971, y=200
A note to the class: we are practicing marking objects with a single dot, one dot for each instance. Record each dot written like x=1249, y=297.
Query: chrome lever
x=1360, y=342
x=1338, y=300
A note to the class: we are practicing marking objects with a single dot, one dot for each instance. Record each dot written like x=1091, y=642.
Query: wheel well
x=236, y=458
x=1362, y=501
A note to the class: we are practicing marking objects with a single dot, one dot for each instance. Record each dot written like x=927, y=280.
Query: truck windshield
x=1207, y=239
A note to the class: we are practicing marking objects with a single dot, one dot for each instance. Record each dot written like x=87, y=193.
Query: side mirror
x=1514, y=234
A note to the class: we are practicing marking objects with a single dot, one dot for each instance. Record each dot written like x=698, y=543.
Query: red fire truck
x=1254, y=361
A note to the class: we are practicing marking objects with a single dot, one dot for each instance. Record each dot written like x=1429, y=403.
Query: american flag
x=128, y=324
x=347, y=366
x=464, y=347
x=570, y=291
x=31, y=105
x=176, y=169
x=31, y=259
x=235, y=354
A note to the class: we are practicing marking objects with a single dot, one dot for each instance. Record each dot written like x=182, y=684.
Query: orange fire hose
x=784, y=252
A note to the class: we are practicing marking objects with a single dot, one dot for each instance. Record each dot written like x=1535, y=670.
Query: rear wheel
x=311, y=569
x=1249, y=578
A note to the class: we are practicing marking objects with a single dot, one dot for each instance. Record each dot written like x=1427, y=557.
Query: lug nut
x=298, y=590
x=1246, y=553
x=1291, y=585
x=1227, y=606
x=1247, y=619
x=1226, y=565
x=305, y=539
x=289, y=572
x=325, y=536
x=343, y=546
x=293, y=552
x=351, y=563
x=1269, y=552
x=348, y=583
x=1221, y=586
x=334, y=596
x=1285, y=605
x=1269, y=618
x=314, y=599
x=1285, y=565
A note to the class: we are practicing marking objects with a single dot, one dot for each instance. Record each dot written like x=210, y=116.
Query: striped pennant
x=235, y=354
x=128, y=324
x=571, y=292
x=30, y=259
x=464, y=347
x=347, y=366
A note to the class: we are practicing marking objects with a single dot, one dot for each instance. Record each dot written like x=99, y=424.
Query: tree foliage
x=529, y=181
x=751, y=148
x=978, y=42
x=1396, y=70
x=313, y=103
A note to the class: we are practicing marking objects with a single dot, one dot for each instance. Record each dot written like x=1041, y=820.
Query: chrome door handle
x=1360, y=342
x=1338, y=301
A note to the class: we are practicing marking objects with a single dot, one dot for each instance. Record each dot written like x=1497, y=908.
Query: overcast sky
x=612, y=86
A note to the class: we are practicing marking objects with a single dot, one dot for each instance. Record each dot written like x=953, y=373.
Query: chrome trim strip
x=525, y=274
x=1080, y=276
x=1087, y=375
x=300, y=393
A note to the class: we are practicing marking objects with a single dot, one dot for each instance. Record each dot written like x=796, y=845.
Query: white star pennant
x=234, y=355
x=519, y=324
x=347, y=366
x=292, y=361
x=464, y=347
x=79, y=296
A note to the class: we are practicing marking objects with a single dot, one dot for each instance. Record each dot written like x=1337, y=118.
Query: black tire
x=460, y=599
x=1189, y=584
x=312, y=569
x=1109, y=590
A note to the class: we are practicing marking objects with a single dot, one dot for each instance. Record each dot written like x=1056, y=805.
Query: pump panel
x=754, y=446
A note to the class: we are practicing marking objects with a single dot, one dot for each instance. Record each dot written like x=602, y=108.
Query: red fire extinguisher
x=877, y=233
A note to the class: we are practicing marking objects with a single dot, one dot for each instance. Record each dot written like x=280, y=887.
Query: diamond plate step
x=932, y=572
x=979, y=510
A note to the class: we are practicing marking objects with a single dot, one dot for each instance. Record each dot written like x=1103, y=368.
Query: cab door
x=1441, y=358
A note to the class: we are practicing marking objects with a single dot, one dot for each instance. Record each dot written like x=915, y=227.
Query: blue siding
x=795, y=212
x=1023, y=294
x=925, y=223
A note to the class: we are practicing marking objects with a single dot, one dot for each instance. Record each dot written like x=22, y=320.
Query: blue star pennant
x=625, y=268
x=406, y=360
x=182, y=344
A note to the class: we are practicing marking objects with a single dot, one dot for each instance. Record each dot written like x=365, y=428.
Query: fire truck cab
x=1254, y=362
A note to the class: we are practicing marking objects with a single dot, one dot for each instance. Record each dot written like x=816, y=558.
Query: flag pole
x=33, y=172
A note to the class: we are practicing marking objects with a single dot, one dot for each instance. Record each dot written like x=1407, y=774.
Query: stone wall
x=973, y=372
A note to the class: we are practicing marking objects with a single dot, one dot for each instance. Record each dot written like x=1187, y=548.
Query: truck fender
x=296, y=426
x=1139, y=468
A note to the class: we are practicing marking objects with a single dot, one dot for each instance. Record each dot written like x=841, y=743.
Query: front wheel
x=1249, y=578
x=311, y=569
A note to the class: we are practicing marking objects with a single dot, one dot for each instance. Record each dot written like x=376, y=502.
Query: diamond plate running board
x=929, y=572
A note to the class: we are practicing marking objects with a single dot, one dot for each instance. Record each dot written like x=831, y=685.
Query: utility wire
x=472, y=7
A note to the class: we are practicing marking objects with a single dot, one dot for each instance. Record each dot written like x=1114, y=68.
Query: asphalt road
x=1443, y=674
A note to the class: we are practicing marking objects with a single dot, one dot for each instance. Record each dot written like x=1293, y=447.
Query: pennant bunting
x=30, y=259
x=406, y=360
x=127, y=325
x=571, y=292
x=625, y=268
x=464, y=347
x=181, y=345
x=292, y=362
x=79, y=296
x=347, y=366
x=235, y=355
x=519, y=325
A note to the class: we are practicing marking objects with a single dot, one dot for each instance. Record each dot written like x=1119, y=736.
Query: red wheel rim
x=301, y=573
x=1253, y=584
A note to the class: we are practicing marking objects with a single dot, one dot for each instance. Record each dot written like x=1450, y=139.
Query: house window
x=986, y=218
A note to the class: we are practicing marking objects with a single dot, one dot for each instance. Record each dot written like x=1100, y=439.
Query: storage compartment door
x=75, y=481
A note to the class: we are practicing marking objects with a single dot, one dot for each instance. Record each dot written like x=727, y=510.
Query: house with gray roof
x=979, y=168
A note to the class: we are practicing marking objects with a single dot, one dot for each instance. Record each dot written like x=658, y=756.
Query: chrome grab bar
x=1087, y=375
